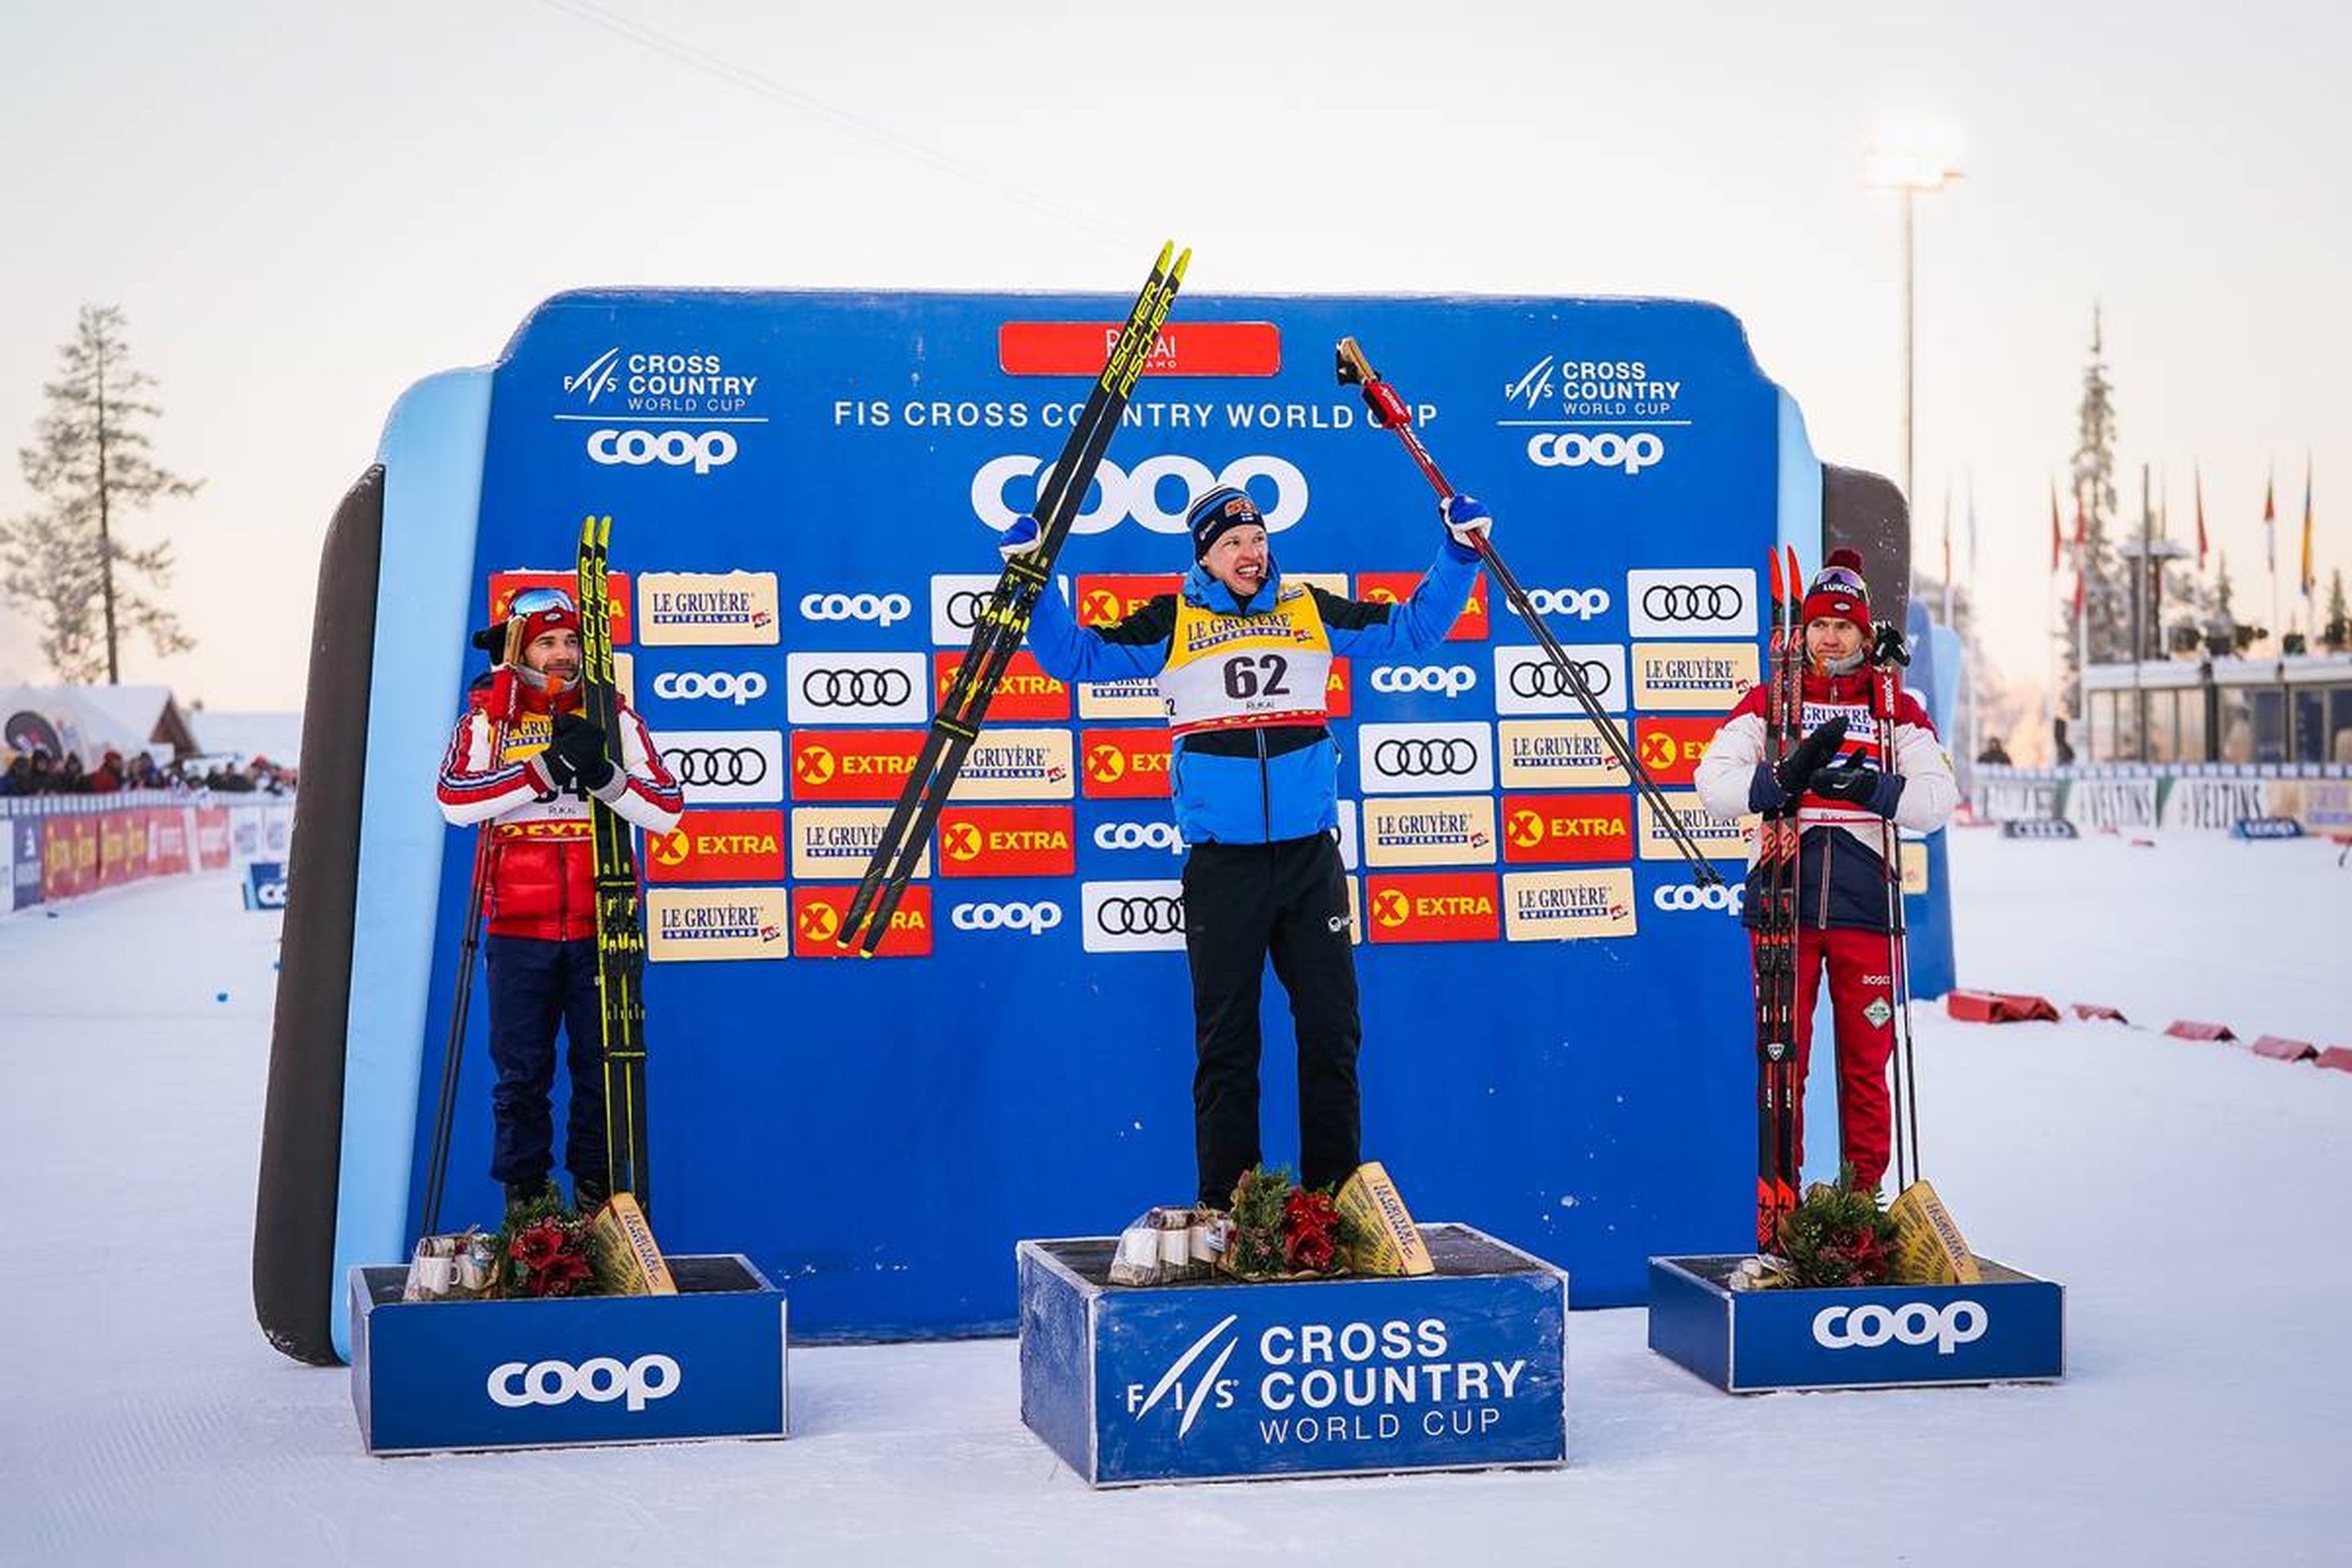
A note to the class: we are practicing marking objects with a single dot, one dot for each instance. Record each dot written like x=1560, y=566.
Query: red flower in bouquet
x=561, y=1272
x=1310, y=1227
x=534, y=1247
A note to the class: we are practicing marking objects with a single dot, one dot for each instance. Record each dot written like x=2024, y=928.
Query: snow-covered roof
x=278, y=736
x=95, y=720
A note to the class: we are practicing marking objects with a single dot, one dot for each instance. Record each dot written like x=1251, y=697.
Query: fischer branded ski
x=1390, y=412
x=1888, y=656
x=1003, y=619
x=1774, y=896
x=620, y=913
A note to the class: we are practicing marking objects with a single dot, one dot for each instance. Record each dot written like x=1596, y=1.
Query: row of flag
x=2307, y=578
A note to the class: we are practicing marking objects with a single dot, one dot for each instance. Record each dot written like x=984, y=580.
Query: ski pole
x=1390, y=413
x=439, y=1165
x=1888, y=654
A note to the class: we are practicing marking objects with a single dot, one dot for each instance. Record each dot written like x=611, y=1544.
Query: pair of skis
x=1888, y=658
x=1003, y=619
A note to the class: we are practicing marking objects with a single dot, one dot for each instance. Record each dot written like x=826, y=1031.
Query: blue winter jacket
x=1253, y=785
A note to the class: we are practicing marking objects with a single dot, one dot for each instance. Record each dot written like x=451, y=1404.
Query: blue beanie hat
x=1222, y=509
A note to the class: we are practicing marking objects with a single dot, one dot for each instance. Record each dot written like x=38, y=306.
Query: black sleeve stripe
x=1349, y=614
x=1153, y=621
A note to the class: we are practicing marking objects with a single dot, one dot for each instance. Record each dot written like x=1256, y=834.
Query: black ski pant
x=534, y=985
x=1244, y=903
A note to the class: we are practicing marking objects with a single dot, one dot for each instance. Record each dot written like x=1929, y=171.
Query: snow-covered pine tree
x=65, y=561
x=2335, y=630
x=2107, y=587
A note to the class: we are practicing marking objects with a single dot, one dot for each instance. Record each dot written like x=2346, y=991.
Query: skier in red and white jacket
x=523, y=764
x=1844, y=806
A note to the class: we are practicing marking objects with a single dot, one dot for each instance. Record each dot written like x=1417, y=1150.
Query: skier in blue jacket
x=1243, y=660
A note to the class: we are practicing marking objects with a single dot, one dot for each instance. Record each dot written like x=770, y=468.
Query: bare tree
x=89, y=463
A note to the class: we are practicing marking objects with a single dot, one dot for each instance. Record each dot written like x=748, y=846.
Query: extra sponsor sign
x=505, y=585
x=718, y=847
x=1396, y=588
x=851, y=765
x=1124, y=764
x=1010, y=841
x=1436, y=906
x=1026, y=694
x=1576, y=829
x=817, y=912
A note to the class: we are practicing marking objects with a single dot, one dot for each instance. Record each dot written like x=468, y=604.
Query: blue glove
x=1465, y=520
x=1021, y=538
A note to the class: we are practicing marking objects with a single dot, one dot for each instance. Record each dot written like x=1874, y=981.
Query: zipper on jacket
x=1828, y=846
x=1264, y=785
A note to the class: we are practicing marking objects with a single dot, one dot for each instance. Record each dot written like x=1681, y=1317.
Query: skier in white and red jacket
x=1845, y=802
x=524, y=763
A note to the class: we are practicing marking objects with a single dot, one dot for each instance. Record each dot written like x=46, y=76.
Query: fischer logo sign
x=600, y=1380
x=1396, y=588
x=1562, y=906
x=1913, y=1323
x=1692, y=602
x=1008, y=841
x=697, y=923
x=701, y=450
x=718, y=847
x=722, y=608
x=1005, y=488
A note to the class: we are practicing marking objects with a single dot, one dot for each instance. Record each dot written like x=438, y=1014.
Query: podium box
x=708, y=1362
x=1462, y=1369
x=2010, y=1328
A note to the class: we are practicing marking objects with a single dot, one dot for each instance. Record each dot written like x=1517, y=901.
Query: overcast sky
x=304, y=208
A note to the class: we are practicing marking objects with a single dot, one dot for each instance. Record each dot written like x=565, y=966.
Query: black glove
x=1888, y=647
x=1805, y=758
x=577, y=756
x=1851, y=780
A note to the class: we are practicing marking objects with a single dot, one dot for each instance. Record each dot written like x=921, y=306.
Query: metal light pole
x=1910, y=173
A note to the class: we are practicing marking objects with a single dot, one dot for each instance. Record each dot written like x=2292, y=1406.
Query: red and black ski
x=1773, y=888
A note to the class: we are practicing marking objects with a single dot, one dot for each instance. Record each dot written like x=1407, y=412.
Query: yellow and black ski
x=1004, y=620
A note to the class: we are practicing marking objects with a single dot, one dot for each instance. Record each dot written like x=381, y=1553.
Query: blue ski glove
x=1465, y=520
x=1021, y=538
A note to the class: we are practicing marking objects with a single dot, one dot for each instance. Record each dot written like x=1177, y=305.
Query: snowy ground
x=2193, y=1198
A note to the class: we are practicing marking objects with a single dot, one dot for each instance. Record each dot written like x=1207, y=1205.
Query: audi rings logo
x=1448, y=680
x=1425, y=759
x=1723, y=896
x=1153, y=916
x=599, y=1379
x=1577, y=604
x=701, y=450
x=1692, y=602
x=1912, y=1323
x=739, y=689
x=716, y=764
x=1139, y=835
x=1118, y=494
x=825, y=687
x=962, y=608
x=1605, y=450
x=1035, y=919
x=886, y=609
x=1548, y=680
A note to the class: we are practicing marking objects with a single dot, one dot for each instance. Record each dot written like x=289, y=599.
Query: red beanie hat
x=1838, y=592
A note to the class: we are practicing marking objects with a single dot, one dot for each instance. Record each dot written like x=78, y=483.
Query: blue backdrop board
x=804, y=485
